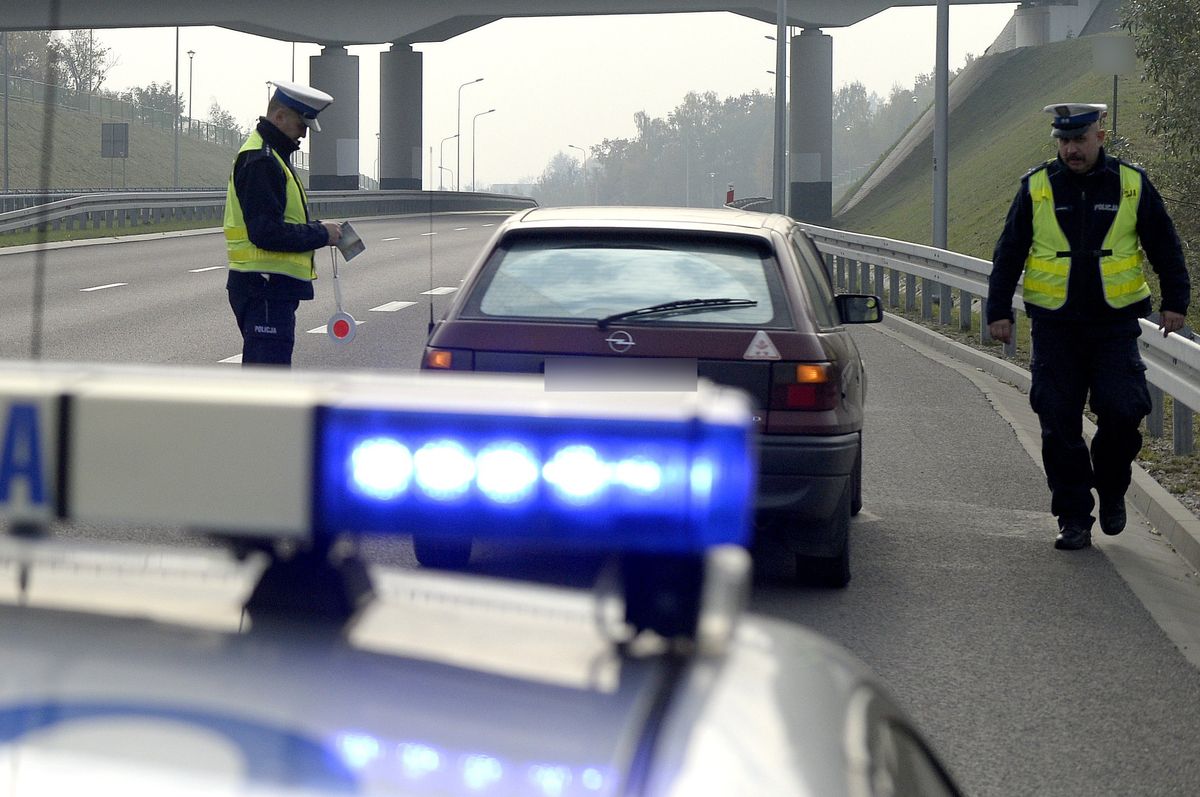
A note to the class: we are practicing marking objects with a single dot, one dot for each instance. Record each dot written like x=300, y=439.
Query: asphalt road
x=161, y=299
x=1033, y=671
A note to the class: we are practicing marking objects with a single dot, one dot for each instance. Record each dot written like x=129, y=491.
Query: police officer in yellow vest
x=1079, y=229
x=268, y=235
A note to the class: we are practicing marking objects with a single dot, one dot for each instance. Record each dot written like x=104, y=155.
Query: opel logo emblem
x=620, y=342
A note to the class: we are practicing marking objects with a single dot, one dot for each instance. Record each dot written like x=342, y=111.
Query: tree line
x=1167, y=34
x=74, y=60
x=691, y=156
x=688, y=158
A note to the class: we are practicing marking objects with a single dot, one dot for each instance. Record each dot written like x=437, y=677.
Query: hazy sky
x=553, y=81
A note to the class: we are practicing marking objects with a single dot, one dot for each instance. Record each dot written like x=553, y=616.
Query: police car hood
x=138, y=674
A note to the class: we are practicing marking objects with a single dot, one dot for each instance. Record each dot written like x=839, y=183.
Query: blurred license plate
x=610, y=373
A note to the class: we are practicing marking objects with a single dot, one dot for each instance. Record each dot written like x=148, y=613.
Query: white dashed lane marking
x=102, y=287
x=438, y=291
x=206, y=268
x=237, y=358
x=391, y=307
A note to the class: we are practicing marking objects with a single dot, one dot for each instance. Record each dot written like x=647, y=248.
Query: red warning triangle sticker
x=761, y=348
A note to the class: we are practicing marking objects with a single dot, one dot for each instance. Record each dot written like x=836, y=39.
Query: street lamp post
x=779, y=185
x=175, y=108
x=4, y=44
x=442, y=159
x=473, y=119
x=378, y=155
x=582, y=169
x=458, y=128
x=191, y=55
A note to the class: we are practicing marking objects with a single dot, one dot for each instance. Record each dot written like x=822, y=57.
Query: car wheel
x=830, y=571
x=856, y=503
x=446, y=554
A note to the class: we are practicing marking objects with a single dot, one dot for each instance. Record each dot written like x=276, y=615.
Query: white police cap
x=1072, y=118
x=304, y=100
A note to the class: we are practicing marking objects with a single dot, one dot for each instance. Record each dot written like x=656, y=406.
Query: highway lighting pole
x=583, y=168
x=175, y=111
x=475, y=117
x=687, y=170
x=442, y=159
x=779, y=186
x=191, y=55
x=458, y=128
x=941, y=83
x=941, y=148
x=4, y=44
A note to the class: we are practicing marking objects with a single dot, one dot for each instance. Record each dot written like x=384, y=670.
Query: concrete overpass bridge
x=403, y=23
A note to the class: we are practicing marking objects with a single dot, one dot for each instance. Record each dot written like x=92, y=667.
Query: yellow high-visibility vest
x=1048, y=266
x=245, y=256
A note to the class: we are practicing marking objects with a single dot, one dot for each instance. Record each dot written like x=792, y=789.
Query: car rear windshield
x=588, y=278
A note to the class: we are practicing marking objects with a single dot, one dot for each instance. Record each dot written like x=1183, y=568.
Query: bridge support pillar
x=334, y=162
x=400, y=86
x=810, y=124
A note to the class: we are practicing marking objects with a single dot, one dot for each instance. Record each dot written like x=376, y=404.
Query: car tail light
x=448, y=360
x=804, y=386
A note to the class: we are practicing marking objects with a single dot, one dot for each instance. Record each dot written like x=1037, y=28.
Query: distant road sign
x=1114, y=55
x=114, y=139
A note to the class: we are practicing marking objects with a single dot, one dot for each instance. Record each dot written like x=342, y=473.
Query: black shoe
x=1112, y=515
x=1072, y=537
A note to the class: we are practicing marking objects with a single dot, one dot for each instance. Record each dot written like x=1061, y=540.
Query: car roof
x=666, y=218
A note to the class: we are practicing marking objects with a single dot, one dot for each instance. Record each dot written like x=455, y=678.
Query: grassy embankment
x=75, y=163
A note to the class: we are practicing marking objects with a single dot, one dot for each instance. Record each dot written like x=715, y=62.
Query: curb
x=1162, y=510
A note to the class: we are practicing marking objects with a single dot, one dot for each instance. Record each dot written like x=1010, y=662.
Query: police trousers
x=268, y=327
x=1101, y=366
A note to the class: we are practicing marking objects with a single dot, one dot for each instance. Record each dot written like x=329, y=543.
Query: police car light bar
x=306, y=456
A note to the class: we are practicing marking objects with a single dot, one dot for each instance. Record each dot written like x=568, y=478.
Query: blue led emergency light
x=673, y=485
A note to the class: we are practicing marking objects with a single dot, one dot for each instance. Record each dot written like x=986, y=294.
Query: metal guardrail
x=858, y=262
x=18, y=200
x=122, y=210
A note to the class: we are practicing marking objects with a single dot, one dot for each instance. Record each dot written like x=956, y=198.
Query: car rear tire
x=830, y=571
x=444, y=554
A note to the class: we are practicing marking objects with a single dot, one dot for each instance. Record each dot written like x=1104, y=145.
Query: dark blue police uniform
x=265, y=305
x=1087, y=348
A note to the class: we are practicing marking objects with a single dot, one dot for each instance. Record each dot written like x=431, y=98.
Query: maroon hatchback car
x=654, y=298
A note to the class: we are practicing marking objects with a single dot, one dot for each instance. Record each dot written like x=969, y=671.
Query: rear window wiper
x=680, y=307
